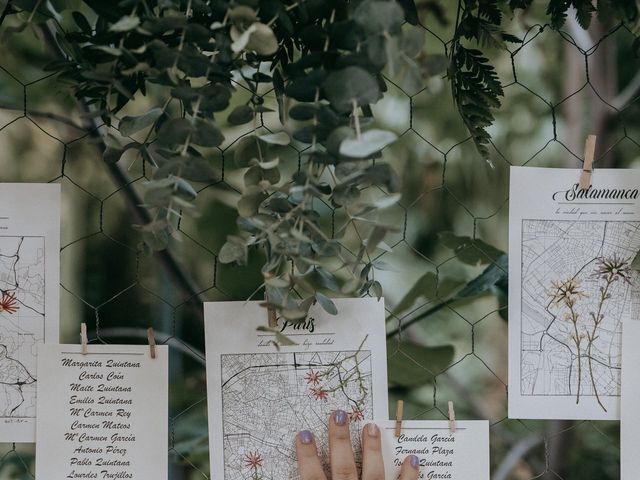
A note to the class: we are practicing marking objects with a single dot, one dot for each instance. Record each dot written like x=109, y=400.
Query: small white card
x=29, y=298
x=629, y=410
x=104, y=414
x=260, y=397
x=462, y=455
x=571, y=286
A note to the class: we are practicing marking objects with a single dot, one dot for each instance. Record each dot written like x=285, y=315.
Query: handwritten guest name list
x=443, y=455
x=102, y=415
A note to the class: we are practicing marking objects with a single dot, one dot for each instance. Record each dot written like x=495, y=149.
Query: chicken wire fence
x=559, y=86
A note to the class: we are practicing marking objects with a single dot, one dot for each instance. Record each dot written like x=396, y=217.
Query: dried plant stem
x=597, y=319
x=577, y=340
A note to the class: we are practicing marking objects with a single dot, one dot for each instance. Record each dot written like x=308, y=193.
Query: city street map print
x=571, y=287
x=21, y=323
x=260, y=397
x=29, y=299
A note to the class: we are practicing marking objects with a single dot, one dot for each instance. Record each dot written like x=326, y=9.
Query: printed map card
x=104, y=414
x=462, y=455
x=29, y=298
x=259, y=397
x=571, y=286
x=629, y=411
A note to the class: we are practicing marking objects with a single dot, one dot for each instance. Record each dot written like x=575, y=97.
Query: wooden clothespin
x=399, y=414
x=83, y=338
x=587, y=166
x=272, y=315
x=452, y=418
x=152, y=342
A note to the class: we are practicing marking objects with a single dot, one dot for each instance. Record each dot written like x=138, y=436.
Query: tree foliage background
x=318, y=148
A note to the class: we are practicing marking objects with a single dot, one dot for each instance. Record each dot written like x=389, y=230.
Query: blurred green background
x=560, y=86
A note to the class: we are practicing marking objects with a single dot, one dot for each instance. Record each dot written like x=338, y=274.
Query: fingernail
x=306, y=437
x=372, y=429
x=340, y=417
x=414, y=461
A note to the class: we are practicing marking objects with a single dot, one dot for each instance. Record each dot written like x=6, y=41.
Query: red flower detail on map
x=8, y=303
x=252, y=460
x=312, y=378
x=319, y=394
x=356, y=414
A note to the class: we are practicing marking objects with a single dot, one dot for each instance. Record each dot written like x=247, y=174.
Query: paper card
x=570, y=289
x=29, y=298
x=629, y=411
x=259, y=397
x=104, y=414
x=462, y=455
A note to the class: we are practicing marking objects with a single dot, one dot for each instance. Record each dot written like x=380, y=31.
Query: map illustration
x=267, y=398
x=21, y=322
x=578, y=288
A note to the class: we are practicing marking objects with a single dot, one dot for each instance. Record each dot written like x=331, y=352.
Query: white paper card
x=570, y=289
x=462, y=455
x=104, y=414
x=629, y=409
x=259, y=397
x=29, y=298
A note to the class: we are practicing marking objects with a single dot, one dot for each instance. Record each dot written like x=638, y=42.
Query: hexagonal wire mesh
x=558, y=87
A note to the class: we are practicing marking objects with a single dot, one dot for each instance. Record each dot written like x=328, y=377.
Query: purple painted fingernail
x=306, y=437
x=340, y=417
x=414, y=461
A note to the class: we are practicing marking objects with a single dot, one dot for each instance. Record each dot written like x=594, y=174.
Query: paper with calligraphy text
x=629, y=411
x=571, y=286
x=446, y=455
x=29, y=298
x=104, y=414
x=260, y=397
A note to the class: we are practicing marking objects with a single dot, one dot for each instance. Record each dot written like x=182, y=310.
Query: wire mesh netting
x=559, y=86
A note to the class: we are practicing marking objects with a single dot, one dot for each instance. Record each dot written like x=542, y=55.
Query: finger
x=372, y=463
x=309, y=466
x=410, y=468
x=343, y=466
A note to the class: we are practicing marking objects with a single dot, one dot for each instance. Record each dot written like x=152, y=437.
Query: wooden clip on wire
x=83, y=338
x=399, y=414
x=587, y=166
x=452, y=418
x=272, y=315
x=152, y=342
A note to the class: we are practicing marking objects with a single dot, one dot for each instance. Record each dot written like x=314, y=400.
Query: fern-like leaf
x=476, y=90
x=557, y=11
x=584, y=12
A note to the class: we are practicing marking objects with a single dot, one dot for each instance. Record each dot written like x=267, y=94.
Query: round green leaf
x=350, y=84
x=370, y=142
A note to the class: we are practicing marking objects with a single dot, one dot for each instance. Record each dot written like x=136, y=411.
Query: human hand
x=343, y=465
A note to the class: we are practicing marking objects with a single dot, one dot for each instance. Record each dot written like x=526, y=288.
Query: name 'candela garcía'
x=591, y=193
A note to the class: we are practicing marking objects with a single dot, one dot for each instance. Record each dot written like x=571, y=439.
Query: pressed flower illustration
x=253, y=461
x=568, y=296
x=312, y=377
x=319, y=393
x=9, y=303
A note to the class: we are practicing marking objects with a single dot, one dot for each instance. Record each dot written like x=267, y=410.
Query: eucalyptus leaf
x=240, y=115
x=351, y=85
x=130, y=125
x=370, y=142
x=376, y=17
x=125, y=24
x=326, y=303
x=279, y=138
